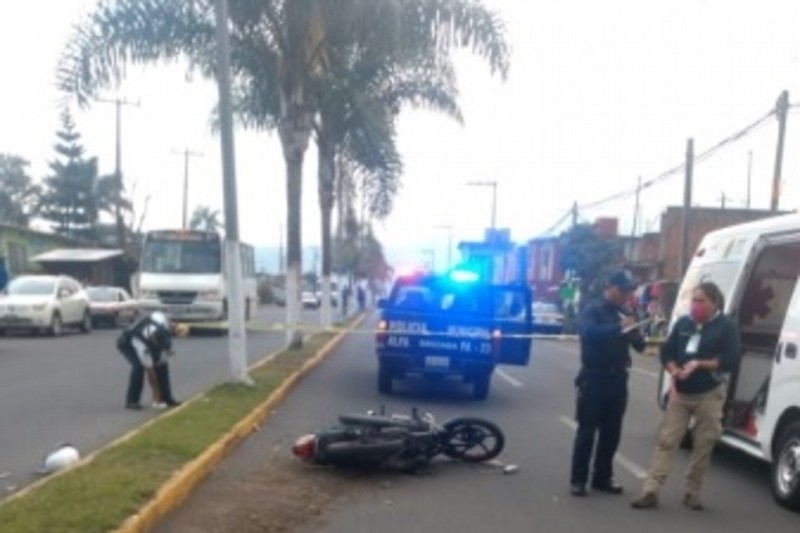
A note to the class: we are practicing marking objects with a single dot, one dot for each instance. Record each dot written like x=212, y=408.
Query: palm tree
x=205, y=219
x=280, y=51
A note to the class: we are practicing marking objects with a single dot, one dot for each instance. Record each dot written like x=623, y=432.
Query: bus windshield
x=182, y=257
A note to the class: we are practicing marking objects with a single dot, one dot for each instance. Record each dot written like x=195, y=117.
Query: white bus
x=182, y=273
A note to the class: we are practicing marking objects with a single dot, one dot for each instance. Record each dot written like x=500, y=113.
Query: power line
x=676, y=170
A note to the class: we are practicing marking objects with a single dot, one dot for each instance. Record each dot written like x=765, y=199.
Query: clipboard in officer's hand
x=638, y=325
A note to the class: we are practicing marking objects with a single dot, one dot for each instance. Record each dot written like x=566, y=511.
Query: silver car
x=45, y=304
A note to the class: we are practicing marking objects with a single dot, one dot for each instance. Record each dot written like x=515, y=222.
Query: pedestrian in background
x=345, y=299
x=607, y=331
x=3, y=274
x=361, y=296
x=700, y=352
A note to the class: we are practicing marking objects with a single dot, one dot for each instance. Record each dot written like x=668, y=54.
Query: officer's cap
x=621, y=279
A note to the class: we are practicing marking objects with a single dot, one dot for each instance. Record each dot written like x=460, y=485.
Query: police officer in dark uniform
x=146, y=345
x=607, y=330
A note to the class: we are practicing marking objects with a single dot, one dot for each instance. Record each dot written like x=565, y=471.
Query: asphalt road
x=533, y=405
x=72, y=389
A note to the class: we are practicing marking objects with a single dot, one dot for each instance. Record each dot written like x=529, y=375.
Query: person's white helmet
x=64, y=456
x=160, y=318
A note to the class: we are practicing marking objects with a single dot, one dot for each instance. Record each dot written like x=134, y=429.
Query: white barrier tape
x=277, y=326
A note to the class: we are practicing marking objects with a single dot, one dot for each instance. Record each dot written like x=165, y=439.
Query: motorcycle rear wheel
x=473, y=440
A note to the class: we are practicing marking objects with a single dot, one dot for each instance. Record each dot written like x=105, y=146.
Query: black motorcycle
x=377, y=440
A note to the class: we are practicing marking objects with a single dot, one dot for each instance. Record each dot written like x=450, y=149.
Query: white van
x=757, y=267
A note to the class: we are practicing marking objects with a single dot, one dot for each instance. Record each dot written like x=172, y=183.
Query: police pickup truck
x=452, y=325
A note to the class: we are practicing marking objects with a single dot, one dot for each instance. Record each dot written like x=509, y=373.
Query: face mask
x=700, y=312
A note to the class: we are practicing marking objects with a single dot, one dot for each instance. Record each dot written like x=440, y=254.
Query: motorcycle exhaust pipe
x=357, y=449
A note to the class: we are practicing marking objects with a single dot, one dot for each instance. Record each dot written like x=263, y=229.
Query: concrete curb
x=181, y=484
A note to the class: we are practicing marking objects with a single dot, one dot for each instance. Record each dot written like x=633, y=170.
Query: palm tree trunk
x=326, y=173
x=295, y=131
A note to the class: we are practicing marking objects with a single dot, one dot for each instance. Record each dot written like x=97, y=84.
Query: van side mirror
x=383, y=303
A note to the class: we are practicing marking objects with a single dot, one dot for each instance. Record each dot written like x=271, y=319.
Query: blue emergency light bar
x=464, y=276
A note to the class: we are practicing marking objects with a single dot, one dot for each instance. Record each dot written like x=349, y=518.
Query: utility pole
x=186, y=155
x=781, y=110
x=280, y=249
x=722, y=199
x=237, y=336
x=449, y=229
x=574, y=214
x=634, y=227
x=749, y=175
x=120, y=223
x=687, y=207
x=493, y=185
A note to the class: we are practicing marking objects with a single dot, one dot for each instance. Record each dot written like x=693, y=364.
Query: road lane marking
x=636, y=470
x=513, y=381
x=561, y=348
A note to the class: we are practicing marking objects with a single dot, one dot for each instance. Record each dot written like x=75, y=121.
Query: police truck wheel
x=786, y=468
x=384, y=379
x=480, y=385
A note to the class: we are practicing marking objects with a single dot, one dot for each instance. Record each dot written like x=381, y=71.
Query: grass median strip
x=100, y=495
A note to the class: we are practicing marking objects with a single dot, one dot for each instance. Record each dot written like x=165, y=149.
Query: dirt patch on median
x=284, y=495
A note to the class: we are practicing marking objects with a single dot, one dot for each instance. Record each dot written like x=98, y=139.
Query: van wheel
x=480, y=385
x=384, y=379
x=786, y=468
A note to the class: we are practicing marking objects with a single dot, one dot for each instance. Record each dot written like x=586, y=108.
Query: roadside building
x=91, y=266
x=18, y=245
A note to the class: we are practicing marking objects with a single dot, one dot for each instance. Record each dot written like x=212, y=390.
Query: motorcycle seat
x=377, y=421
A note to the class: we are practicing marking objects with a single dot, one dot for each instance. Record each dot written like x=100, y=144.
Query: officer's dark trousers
x=601, y=406
x=136, y=377
x=164, y=385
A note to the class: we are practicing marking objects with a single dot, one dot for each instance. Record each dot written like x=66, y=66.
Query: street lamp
x=449, y=229
x=493, y=185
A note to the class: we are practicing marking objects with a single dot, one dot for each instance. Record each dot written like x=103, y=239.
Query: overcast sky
x=599, y=93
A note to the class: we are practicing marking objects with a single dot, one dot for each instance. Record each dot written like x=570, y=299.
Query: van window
x=723, y=273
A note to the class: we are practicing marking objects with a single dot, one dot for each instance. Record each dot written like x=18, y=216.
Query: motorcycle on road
x=400, y=442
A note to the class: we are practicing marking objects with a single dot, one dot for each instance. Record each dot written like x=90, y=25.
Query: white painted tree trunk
x=326, y=317
x=294, y=337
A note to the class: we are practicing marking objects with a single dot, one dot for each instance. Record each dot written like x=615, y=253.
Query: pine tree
x=69, y=199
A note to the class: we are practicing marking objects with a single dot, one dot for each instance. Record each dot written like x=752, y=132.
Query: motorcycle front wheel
x=473, y=440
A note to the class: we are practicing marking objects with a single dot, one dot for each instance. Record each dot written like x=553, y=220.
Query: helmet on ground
x=65, y=455
x=160, y=318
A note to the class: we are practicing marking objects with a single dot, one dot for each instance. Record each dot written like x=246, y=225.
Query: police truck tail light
x=383, y=326
x=497, y=338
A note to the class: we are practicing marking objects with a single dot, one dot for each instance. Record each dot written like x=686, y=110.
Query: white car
x=547, y=318
x=310, y=300
x=44, y=303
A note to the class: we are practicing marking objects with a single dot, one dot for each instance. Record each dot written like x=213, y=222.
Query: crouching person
x=146, y=345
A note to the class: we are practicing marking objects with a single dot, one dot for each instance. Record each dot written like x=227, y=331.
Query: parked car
x=112, y=306
x=547, y=318
x=310, y=300
x=44, y=304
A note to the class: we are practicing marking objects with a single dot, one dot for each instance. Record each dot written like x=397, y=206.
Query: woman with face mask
x=700, y=352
